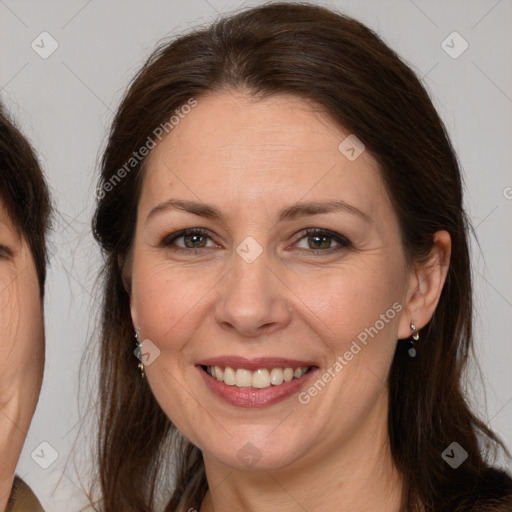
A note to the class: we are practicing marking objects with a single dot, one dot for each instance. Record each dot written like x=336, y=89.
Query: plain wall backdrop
x=64, y=104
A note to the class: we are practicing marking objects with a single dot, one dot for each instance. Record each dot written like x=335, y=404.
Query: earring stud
x=414, y=337
x=138, y=352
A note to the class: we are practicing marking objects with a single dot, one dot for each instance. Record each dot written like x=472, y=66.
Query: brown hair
x=341, y=65
x=24, y=192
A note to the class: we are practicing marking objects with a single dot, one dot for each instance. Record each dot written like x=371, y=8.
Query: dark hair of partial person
x=338, y=64
x=24, y=192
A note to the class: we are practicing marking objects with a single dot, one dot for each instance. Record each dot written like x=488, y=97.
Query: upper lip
x=254, y=363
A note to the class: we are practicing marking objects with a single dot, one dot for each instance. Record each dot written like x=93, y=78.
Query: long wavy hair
x=338, y=63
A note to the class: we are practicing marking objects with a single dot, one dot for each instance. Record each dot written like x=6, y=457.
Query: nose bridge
x=250, y=266
x=251, y=298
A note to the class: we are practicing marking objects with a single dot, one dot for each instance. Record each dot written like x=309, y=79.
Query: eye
x=317, y=241
x=192, y=239
x=321, y=240
x=5, y=252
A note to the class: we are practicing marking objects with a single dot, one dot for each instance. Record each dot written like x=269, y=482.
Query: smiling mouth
x=258, y=379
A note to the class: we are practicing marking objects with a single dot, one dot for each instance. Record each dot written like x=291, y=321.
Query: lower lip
x=253, y=397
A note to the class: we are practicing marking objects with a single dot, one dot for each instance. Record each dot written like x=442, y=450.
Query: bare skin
x=22, y=343
x=299, y=299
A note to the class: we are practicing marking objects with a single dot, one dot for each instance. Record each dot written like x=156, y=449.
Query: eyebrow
x=289, y=213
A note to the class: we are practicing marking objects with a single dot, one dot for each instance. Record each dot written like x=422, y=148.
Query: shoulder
x=22, y=498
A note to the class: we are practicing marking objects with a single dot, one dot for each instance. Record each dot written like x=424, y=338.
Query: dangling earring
x=138, y=353
x=415, y=337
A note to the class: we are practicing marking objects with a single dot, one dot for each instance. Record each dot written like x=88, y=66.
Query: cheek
x=166, y=301
x=166, y=305
x=20, y=307
x=9, y=313
x=345, y=302
x=21, y=318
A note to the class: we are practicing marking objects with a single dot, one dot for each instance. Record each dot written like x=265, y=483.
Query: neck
x=357, y=475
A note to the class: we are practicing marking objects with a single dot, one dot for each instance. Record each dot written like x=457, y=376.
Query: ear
x=124, y=263
x=125, y=267
x=425, y=286
x=133, y=313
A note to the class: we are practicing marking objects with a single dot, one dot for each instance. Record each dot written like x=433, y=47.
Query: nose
x=252, y=299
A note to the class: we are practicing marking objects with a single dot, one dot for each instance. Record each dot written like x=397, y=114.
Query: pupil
x=194, y=240
x=322, y=239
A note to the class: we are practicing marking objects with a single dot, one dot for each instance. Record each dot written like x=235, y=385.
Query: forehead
x=233, y=147
x=232, y=123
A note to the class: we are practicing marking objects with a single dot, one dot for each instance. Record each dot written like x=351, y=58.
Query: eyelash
x=5, y=252
x=344, y=243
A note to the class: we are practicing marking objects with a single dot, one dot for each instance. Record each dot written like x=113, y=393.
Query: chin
x=246, y=452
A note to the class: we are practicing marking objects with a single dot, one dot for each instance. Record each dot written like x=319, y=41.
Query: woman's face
x=249, y=289
x=21, y=321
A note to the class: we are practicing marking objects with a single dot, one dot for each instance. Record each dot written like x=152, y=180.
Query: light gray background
x=65, y=103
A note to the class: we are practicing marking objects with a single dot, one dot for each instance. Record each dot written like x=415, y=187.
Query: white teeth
x=276, y=376
x=288, y=374
x=259, y=379
x=243, y=378
x=229, y=377
x=218, y=373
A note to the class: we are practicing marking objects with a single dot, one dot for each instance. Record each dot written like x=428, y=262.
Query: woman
x=280, y=210
x=24, y=213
